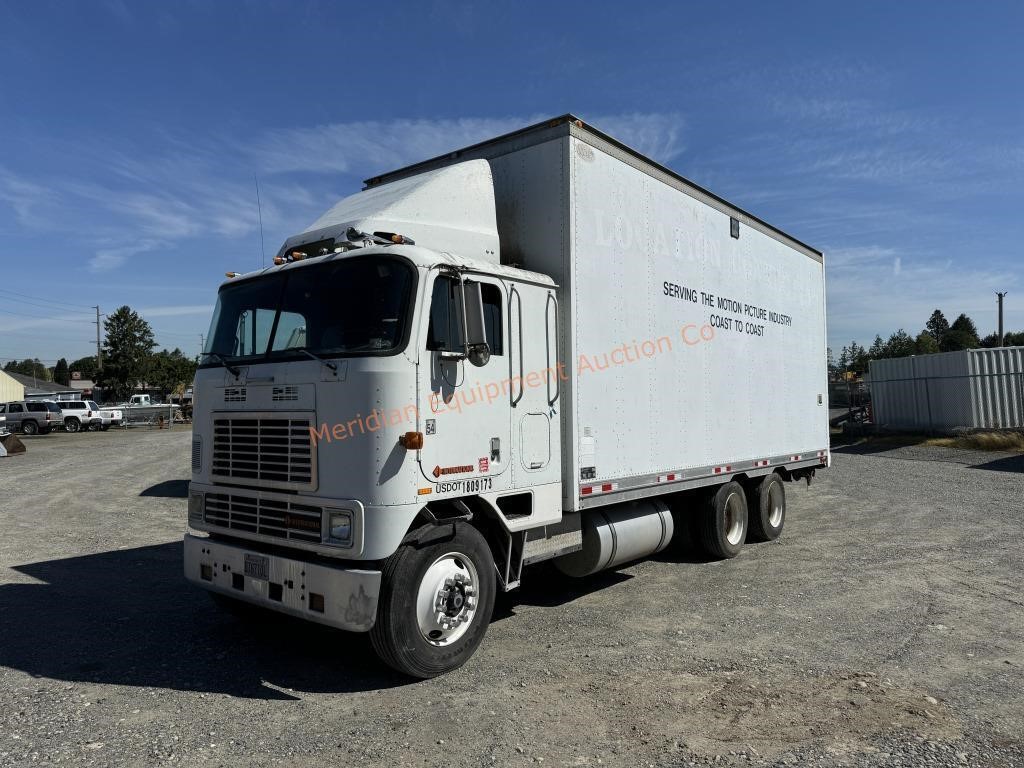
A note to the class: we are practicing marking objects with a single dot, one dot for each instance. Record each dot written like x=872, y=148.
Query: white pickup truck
x=109, y=417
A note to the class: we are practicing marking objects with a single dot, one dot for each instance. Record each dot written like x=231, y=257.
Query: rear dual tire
x=722, y=527
x=767, y=497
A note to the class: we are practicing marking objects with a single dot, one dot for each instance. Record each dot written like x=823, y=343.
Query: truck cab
x=353, y=396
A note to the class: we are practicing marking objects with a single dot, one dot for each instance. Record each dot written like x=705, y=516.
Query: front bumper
x=345, y=598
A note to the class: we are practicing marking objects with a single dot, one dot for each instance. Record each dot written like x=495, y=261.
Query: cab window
x=445, y=330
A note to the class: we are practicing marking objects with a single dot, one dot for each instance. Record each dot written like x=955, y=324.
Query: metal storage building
x=10, y=388
x=972, y=388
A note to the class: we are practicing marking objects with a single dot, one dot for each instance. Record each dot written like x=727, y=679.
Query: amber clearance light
x=411, y=441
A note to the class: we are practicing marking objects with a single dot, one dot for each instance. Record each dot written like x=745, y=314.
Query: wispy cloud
x=129, y=202
x=111, y=258
x=25, y=197
x=187, y=309
x=370, y=146
x=876, y=290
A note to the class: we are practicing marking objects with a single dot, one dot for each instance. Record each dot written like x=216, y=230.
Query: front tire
x=722, y=527
x=767, y=502
x=436, y=599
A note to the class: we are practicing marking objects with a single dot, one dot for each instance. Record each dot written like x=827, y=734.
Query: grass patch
x=1004, y=440
x=987, y=441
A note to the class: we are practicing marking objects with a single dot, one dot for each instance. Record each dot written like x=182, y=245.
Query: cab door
x=537, y=381
x=463, y=408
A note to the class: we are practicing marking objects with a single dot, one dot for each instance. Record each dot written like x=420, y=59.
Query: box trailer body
x=574, y=352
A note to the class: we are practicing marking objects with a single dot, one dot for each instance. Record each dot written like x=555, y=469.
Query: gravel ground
x=883, y=629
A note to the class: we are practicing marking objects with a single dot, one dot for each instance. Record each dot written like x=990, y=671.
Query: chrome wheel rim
x=775, y=505
x=446, y=601
x=734, y=523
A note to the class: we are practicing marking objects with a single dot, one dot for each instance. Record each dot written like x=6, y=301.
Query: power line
x=41, y=298
x=43, y=317
x=42, y=306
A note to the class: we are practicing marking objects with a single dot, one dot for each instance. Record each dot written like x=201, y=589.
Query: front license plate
x=257, y=566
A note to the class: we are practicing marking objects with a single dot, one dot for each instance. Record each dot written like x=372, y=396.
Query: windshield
x=353, y=306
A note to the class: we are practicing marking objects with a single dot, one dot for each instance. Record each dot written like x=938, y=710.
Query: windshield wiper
x=307, y=353
x=231, y=369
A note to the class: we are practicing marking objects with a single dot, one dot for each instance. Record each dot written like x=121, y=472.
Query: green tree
x=937, y=326
x=127, y=346
x=29, y=367
x=926, y=344
x=86, y=366
x=61, y=374
x=962, y=334
x=167, y=371
x=900, y=345
x=858, y=358
x=877, y=350
x=1013, y=339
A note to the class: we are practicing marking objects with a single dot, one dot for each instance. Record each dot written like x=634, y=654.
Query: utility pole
x=999, y=297
x=99, y=351
x=202, y=344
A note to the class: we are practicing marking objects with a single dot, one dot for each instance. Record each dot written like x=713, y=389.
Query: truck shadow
x=546, y=587
x=1005, y=464
x=128, y=617
x=168, y=489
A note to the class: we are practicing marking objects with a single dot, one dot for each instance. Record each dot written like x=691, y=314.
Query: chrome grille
x=279, y=518
x=264, y=450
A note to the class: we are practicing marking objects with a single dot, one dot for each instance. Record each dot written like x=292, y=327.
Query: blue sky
x=889, y=135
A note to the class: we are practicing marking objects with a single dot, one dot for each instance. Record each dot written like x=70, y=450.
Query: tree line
x=128, y=359
x=938, y=335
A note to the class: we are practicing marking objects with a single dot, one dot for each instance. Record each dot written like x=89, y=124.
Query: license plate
x=257, y=566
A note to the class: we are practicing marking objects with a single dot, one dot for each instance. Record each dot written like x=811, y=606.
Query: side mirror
x=477, y=350
x=479, y=355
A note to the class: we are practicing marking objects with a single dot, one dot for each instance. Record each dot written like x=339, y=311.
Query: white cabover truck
x=544, y=346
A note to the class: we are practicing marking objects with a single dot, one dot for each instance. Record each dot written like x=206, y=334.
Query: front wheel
x=436, y=598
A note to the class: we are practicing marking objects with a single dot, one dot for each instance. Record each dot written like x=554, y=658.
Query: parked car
x=79, y=415
x=109, y=417
x=33, y=417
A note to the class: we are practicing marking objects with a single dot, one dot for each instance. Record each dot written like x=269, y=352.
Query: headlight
x=196, y=507
x=339, y=527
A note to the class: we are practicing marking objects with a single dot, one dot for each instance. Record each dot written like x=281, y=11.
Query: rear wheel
x=436, y=598
x=767, y=507
x=72, y=425
x=30, y=428
x=723, y=525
